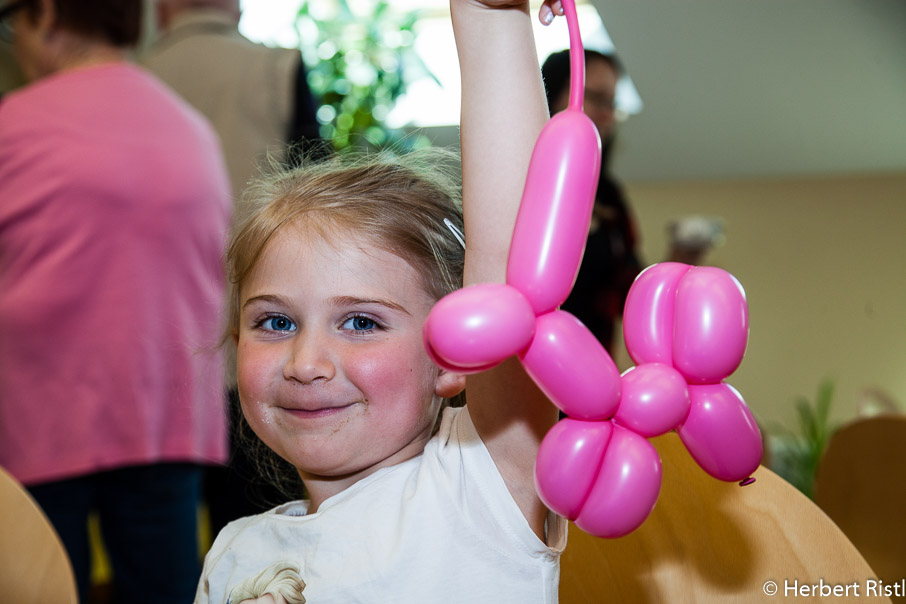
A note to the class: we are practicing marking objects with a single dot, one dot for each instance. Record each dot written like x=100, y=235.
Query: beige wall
x=823, y=263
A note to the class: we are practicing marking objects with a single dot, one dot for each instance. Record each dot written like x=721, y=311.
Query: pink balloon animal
x=685, y=327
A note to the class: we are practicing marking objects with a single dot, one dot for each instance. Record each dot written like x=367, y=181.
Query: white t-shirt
x=441, y=527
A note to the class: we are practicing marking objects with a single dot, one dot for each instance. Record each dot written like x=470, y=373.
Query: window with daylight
x=429, y=101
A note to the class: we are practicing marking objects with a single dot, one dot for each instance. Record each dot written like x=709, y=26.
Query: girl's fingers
x=549, y=10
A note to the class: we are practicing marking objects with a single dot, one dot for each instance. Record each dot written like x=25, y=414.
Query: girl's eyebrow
x=353, y=301
x=269, y=298
x=337, y=301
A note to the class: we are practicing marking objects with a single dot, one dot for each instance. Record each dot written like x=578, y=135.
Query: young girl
x=336, y=273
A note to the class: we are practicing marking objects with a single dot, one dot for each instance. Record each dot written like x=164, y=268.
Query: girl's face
x=333, y=375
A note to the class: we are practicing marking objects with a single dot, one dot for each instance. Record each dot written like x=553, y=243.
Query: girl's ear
x=449, y=384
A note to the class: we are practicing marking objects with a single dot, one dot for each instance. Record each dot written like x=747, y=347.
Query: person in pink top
x=114, y=208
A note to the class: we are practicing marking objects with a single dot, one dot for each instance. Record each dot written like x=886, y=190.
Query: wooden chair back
x=711, y=541
x=861, y=485
x=34, y=567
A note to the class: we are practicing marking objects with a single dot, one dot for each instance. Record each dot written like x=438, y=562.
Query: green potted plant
x=360, y=58
x=795, y=456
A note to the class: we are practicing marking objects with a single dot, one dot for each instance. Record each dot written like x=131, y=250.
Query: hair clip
x=456, y=232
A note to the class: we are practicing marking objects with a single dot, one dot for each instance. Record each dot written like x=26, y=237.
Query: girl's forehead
x=307, y=243
x=329, y=252
x=317, y=235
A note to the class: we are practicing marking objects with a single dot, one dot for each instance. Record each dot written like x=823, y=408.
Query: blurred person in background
x=690, y=238
x=256, y=96
x=114, y=208
x=258, y=100
x=611, y=260
x=10, y=76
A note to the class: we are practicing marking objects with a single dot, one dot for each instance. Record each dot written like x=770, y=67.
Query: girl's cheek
x=255, y=374
x=256, y=366
x=378, y=368
x=403, y=370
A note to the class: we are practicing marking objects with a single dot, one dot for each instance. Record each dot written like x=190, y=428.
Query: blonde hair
x=399, y=202
x=281, y=578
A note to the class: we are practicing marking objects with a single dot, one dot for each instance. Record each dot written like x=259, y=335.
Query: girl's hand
x=549, y=9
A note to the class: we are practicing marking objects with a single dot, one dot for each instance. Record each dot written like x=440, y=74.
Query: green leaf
x=801, y=453
x=354, y=121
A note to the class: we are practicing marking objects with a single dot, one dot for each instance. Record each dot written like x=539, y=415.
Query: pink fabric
x=114, y=205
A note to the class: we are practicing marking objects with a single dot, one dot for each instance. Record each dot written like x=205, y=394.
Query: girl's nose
x=310, y=359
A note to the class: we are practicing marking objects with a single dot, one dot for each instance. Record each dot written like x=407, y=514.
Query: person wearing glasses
x=114, y=207
x=611, y=261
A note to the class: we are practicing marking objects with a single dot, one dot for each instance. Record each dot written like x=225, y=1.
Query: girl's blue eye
x=359, y=323
x=278, y=324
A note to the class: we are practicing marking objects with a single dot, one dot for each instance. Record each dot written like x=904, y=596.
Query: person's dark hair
x=118, y=22
x=555, y=70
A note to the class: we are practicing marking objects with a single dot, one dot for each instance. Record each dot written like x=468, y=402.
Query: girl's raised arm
x=503, y=111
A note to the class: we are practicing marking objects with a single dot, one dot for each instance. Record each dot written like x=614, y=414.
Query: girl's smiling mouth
x=317, y=412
